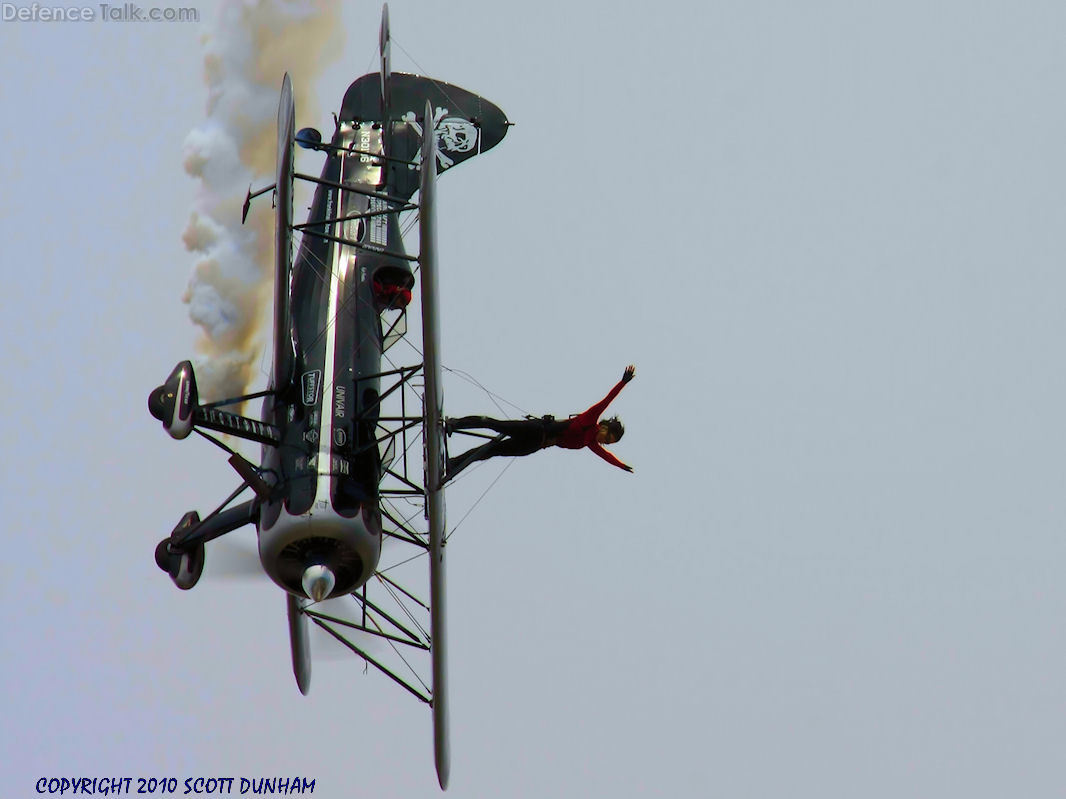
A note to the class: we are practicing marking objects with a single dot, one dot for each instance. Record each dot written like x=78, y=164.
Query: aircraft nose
x=318, y=582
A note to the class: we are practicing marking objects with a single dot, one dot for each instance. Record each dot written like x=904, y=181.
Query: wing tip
x=443, y=773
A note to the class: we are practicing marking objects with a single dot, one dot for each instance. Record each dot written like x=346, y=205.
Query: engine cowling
x=348, y=547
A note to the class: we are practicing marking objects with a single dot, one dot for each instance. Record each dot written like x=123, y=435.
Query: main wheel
x=184, y=568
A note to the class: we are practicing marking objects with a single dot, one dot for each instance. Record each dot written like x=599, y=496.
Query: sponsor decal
x=364, y=145
x=312, y=383
x=340, y=401
x=379, y=233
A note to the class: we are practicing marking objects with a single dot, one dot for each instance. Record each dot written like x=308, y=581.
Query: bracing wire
x=478, y=502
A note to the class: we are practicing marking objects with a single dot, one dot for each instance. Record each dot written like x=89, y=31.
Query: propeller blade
x=236, y=558
x=326, y=647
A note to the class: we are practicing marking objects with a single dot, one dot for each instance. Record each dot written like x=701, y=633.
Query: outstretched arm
x=593, y=414
x=607, y=456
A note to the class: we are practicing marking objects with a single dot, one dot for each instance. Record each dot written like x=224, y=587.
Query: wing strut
x=434, y=438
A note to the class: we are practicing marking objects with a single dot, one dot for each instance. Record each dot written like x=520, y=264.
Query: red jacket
x=583, y=428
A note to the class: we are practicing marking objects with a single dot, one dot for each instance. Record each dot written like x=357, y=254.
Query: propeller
x=325, y=647
x=237, y=558
x=234, y=558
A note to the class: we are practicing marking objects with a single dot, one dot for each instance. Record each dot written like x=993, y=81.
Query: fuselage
x=328, y=467
x=324, y=509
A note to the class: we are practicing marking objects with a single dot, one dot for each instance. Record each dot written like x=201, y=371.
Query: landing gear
x=181, y=554
x=184, y=567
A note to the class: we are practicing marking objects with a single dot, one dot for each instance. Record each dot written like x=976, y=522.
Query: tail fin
x=465, y=123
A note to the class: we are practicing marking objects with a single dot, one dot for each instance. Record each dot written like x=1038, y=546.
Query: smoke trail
x=252, y=45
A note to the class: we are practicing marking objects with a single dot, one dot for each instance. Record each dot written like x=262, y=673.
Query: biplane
x=352, y=441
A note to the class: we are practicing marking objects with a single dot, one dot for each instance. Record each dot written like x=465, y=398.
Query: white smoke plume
x=247, y=52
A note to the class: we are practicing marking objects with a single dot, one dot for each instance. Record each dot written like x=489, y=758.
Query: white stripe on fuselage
x=338, y=271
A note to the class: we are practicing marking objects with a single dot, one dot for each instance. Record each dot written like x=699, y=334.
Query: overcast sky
x=830, y=236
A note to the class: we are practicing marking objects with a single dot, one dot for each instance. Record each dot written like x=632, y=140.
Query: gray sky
x=829, y=235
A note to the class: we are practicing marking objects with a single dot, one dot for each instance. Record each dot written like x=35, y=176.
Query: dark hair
x=614, y=427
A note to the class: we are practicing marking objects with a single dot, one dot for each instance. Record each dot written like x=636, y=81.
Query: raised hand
x=628, y=374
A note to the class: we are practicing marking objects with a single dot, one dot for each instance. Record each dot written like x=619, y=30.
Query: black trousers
x=517, y=437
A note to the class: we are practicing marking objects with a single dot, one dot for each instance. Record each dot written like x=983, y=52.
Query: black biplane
x=340, y=474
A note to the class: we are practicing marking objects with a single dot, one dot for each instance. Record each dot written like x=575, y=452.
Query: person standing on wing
x=526, y=436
